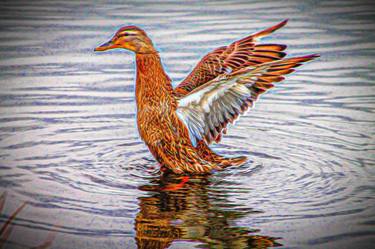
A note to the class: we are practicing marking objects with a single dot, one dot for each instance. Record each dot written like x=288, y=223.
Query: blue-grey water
x=69, y=145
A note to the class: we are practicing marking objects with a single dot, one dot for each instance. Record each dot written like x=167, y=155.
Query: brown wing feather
x=242, y=53
x=275, y=72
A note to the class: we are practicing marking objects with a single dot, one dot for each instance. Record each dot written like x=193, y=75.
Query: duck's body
x=178, y=124
x=157, y=121
x=161, y=129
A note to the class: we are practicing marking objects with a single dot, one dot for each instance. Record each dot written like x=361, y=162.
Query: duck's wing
x=208, y=109
x=242, y=53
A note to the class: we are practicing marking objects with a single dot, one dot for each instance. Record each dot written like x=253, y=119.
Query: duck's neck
x=153, y=84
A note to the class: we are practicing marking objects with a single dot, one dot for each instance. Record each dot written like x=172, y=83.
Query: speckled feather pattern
x=163, y=132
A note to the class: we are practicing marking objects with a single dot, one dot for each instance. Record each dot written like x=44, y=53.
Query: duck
x=179, y=124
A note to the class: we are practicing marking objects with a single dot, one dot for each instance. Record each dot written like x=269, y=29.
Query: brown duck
x=178, y=124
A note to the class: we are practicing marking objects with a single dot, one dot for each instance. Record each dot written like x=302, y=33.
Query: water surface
x=69, y=145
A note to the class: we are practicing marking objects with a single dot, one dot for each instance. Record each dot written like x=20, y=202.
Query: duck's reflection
x=192, y=209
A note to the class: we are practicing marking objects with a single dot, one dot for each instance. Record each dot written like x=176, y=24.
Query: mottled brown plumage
x=178, y=124
x=242, y=53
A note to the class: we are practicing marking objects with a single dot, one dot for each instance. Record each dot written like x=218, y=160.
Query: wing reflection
x=181, y=209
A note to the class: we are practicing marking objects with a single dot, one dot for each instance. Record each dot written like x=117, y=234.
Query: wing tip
x=270, y=29
x=299, y=59
x=309, y=57
x=313, y=56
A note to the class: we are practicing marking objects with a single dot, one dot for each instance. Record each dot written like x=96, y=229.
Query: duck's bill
x=106, y=46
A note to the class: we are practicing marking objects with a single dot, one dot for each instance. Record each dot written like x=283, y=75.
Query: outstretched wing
x=208, y=109
x=239, y=54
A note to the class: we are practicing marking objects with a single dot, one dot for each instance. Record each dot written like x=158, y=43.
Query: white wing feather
x=205, y=111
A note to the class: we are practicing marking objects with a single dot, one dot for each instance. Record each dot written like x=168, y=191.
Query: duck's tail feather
x=207, y=154
x=234, y=161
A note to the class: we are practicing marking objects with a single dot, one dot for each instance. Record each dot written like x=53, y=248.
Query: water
x=69, y=145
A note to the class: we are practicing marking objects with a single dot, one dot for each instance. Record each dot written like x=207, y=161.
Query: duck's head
x=131, y=38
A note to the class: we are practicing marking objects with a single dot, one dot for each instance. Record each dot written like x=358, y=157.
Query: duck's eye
x=125, y=34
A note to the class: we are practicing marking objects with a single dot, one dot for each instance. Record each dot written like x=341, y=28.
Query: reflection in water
x=195, y=211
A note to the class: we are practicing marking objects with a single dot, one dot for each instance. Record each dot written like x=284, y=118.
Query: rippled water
x=69, y=145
